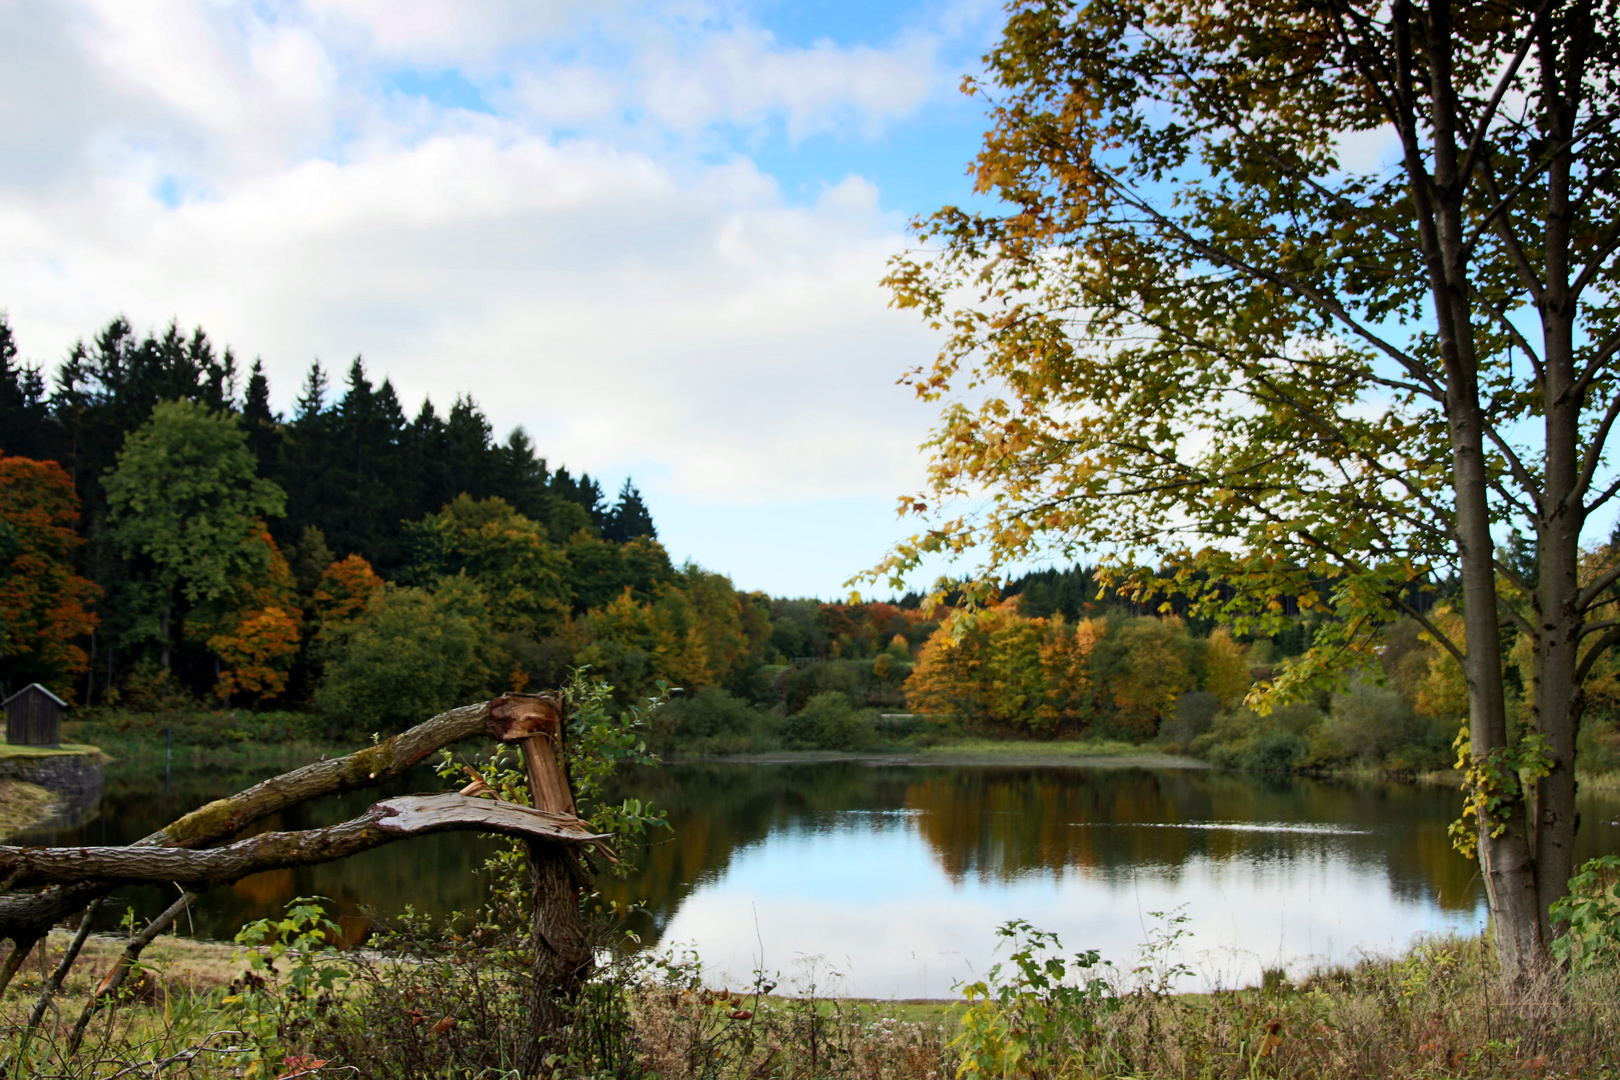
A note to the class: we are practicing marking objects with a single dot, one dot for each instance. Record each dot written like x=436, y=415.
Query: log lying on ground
x=383, y=823
x=24, y=916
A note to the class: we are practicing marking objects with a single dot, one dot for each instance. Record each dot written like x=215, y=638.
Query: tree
x=1212, y=329
x=345, y=588
x=43, y=603
x=629, y=518
x=522, y=576
x=1227, y=671
x=411, y=651
x=24, y=416
x=188, y=507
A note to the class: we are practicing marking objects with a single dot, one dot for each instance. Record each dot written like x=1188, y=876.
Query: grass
x=1434, y=1012
x=22, y=806
x=239, y=739
x=9, y=751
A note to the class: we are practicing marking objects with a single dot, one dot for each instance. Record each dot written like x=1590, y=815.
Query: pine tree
x=262, y=426
x=24, y=418
x=629, y=517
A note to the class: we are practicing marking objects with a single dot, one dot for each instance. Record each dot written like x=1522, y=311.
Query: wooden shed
x=34, y=717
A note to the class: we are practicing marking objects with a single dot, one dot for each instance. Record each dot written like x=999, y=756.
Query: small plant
x=1592, y=912
x=1029, y=1018
x=276, y=1008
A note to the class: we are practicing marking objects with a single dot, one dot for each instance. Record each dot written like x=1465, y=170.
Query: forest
x=170, y=542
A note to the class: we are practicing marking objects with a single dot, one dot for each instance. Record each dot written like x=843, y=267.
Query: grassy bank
x=235, y=740
x=1435, y=1012
x=22, y=806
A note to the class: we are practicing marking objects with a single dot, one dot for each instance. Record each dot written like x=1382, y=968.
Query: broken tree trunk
x=562, y=950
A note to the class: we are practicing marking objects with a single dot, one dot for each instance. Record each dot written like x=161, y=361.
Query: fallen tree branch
x=115, y=978
x=54, y=983
x=25, y=916
x=383, y=823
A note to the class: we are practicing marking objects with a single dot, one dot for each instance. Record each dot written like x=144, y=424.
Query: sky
x=650, y=233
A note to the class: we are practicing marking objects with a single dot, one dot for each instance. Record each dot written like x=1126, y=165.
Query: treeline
x=167, y=540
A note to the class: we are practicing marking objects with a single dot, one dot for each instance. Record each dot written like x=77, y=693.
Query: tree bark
x=562, y=954
x=384, y=823
x=31, y=913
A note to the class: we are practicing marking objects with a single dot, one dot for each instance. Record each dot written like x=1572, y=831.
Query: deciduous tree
x=44, y=604
x=1304, y=292
x=187, y=507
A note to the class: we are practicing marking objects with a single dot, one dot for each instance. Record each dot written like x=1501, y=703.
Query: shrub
x=828, y=722
x=710, y=721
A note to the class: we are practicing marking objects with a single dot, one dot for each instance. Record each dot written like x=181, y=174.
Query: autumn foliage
x=1000, y=672
x=43, y=602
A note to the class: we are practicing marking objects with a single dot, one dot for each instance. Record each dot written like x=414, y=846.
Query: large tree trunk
x=1504, y=849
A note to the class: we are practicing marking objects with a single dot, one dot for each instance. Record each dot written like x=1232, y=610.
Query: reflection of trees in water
x=434, y=874
x=998, y=824
x=993, y=824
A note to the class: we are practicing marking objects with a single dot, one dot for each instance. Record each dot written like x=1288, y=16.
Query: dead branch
x=24, y=916
x=383, y=823
x=115, y=978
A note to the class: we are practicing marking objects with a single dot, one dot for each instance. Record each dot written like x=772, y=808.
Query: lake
x=889, y=880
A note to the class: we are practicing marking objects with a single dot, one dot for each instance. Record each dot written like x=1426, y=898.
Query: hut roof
x=33, y=686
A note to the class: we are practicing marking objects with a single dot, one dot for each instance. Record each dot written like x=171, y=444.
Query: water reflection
x=899, y=875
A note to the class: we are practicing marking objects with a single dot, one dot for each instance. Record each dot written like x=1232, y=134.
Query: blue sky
x=650, y=233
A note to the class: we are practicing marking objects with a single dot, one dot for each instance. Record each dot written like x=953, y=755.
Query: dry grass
x=22, y=806
x=1437, y=1012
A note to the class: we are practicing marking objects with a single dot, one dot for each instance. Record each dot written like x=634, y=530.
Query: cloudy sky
x=650, y=233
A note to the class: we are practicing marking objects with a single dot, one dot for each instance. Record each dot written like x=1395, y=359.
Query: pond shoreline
x=1022, y=754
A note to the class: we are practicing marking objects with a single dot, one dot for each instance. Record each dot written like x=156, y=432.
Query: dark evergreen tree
x=584, y=493
x=263, y=426
x=521, y=476
x=25, y=427
x=629, y=517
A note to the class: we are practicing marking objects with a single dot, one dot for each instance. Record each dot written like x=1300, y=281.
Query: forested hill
x=165, y=534
x=353, y=464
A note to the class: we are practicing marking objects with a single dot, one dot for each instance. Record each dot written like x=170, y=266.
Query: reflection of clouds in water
x=880, y=909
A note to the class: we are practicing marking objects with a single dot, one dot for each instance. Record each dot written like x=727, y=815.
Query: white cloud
x=744, y=75
x=637, y=291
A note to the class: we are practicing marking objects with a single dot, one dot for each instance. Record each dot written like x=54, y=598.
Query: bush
x=710, y=721
x=1273, y=751
x=1242, y=739
x=828, y=722
x=413, y=653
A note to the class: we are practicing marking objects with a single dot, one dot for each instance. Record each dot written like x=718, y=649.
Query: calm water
x=889, y=881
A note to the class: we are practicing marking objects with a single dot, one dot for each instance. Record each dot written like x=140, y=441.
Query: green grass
x=9, y=751
x=977, y=746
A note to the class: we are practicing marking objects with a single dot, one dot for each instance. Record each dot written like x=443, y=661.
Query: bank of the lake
x=1431, y=1013
x=22, y=806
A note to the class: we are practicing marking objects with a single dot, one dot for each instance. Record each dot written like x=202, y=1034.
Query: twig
x=54, y=983
x=115, y=977
x=21, y=946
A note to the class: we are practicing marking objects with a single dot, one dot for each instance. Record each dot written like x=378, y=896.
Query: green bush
x=1373, y=725
x=1242, y=739
x=712, y=721
x=878, y=686
x=413, y=653
x=828, y=722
